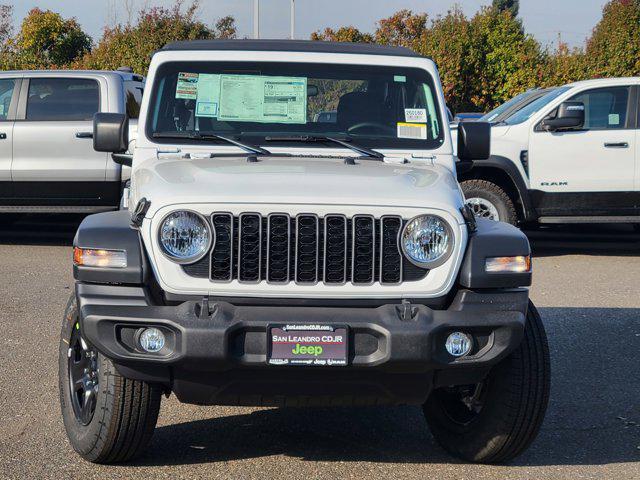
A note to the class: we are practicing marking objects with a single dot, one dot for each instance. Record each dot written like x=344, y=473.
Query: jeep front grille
x=306, y=249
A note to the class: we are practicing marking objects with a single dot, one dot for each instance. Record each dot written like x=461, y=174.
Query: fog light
x=458, y=344
x=151, y=340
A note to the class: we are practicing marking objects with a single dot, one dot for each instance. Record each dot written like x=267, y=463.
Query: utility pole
x=293, y=19
x=256, y=18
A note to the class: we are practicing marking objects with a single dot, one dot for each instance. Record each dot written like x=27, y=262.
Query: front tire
x=488, y=200
x=495, y=421
x=108, y=418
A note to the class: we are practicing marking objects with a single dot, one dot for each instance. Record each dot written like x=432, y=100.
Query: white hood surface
x=293, y=180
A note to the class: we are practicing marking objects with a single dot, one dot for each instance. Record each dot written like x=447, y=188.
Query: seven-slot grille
x=306, y=249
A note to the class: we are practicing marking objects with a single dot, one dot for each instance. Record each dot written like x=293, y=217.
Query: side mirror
x=110, y=132
x=474, y=141
x=570, y=116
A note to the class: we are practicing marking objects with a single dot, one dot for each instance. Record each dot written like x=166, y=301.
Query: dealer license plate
x=304, y=344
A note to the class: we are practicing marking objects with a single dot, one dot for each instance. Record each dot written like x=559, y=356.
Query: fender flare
x=507, y=166
x=111, y=231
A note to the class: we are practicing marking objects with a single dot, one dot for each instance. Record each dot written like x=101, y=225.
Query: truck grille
x=306, y=249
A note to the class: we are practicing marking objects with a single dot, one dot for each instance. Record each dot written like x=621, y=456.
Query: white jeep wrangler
x=274, y=256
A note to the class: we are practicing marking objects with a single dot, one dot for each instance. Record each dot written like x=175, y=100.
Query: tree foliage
x=133, y=44
x=6, y=23
x=342, y=34
x=614, y=47
x=512, y=6
x=47, y=40
x=483, y=60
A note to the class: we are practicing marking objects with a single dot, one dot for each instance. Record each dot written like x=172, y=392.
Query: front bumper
x=217, y=355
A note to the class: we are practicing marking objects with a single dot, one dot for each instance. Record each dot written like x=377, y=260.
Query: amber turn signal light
x=517, y=264
x=90, y=257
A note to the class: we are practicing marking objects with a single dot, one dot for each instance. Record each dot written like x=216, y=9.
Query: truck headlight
x=427, y=241
x=184, y=236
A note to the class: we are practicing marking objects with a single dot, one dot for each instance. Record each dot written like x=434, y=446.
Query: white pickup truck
x=47, y=160
x=570, y=156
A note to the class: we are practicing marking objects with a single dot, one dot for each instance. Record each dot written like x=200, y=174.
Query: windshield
x=531, y=109
x=373, y=106
x=493, y=114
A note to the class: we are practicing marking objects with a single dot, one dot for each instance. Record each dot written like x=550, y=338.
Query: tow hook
x=406, y=311
x=204, y=309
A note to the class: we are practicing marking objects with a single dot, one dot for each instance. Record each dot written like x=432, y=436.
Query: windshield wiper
x=320, y=138
x=196, y=135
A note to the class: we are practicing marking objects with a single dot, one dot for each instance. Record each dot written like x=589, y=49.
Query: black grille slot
x=306, y=249
x=222, y=253
x=307, y=234
x=390, y=256
x=278, y=241
x=335, y=249
x=364, y=246
x=249, y=247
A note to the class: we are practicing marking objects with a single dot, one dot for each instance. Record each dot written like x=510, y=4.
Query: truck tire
x=489, y=200
x=496, y=420
x=108, y=418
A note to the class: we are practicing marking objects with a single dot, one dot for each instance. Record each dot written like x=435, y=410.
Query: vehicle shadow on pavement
x=39, y=229
x=593, y=416
x=599, y=240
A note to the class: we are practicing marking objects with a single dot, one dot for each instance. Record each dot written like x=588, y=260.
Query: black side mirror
x=110, y=132
x=474, y=141
x=570, y=116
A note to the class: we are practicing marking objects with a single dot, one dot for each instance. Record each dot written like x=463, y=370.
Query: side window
x=6, y=92
x=133, y=98
x=62, y=99
x=604, y=108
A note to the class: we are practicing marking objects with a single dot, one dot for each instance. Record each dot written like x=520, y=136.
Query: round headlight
x=427, y=241
x=185, y=237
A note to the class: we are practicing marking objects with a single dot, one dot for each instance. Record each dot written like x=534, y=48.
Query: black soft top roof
x=291, y=46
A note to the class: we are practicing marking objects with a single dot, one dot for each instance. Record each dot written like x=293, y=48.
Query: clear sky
x=545, y=19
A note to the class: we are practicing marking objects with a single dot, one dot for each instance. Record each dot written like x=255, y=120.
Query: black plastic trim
x=218, y=353
x=508, y=166
x=276, y=45
x=111, y=231
x=493, y=239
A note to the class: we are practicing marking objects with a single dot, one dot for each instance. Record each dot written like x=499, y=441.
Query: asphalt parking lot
x=586, y=284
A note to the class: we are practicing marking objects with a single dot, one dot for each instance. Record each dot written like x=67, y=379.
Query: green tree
x=47, y=40
x=6, y=23
x=403, y=28
x=448, y=43
x=513, y=6
x=505, y=59
x=133, y=44
x=614, y=47
x=564, y=65
x=342, y=34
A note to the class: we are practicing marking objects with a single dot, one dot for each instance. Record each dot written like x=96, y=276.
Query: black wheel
x=496, y=420
x=488, y=200
x=108, y=418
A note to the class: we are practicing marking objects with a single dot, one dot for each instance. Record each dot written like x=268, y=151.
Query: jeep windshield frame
x=375, y=106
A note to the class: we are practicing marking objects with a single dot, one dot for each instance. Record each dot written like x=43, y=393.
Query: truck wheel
x=496, y=420
x=488, y=200
x=108, y=418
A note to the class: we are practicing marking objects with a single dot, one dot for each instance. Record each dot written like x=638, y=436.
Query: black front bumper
x=218, y=355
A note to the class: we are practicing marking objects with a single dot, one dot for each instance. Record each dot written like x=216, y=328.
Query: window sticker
x=415, y=115
x=253, y=98
x=187, y=86
x=416, y=131
x=399, y=78
x=614, y=119
x=208, y=97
